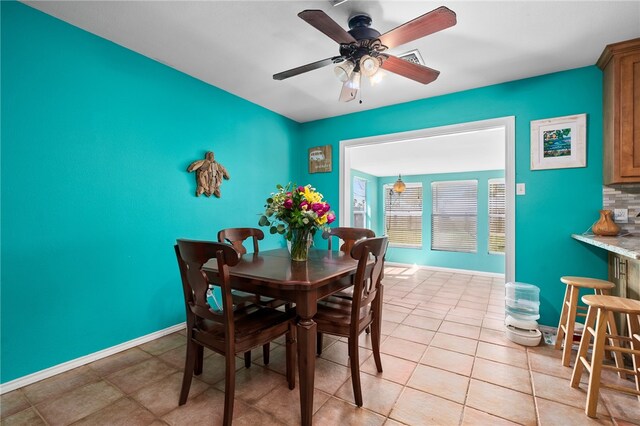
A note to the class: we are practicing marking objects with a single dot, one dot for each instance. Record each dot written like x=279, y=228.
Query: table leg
x=306, y=367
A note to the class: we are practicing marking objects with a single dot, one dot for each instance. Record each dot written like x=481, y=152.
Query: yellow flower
x=312, y=197
x=322, y=220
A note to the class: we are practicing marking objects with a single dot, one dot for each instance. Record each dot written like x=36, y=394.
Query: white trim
x=75, y=363
x=548, y=329
x=441, y=269
x=345, y=188
x=508, y=123
x=510, y=194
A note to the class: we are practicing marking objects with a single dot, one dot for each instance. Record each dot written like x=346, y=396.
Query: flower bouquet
x=296, y=212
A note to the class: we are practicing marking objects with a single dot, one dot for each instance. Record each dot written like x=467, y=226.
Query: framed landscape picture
x=559, y=143
x=320, y=159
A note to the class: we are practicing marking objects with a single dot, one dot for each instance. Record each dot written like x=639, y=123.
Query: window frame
x=362, y=212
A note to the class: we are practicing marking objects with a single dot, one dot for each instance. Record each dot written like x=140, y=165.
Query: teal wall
x=373, y=216
x=557, y=202
x=95, y=144
x=480, y=261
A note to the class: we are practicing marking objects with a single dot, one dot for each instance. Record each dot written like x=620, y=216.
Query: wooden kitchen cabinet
x=620, y=63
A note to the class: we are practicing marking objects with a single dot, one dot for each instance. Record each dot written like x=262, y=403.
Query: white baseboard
x=75, y=363
x=440, y=269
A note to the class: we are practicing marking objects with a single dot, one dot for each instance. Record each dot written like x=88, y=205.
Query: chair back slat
x=237, y=236
x=192, y=255
x=348, y=235
x=366, y=284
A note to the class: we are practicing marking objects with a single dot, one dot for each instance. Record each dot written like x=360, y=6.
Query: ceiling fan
x=362, y=48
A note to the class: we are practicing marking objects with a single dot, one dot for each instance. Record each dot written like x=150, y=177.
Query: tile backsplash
x=624, y=197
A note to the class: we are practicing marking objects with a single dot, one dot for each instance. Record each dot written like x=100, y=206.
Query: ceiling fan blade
x=429, y=23
x=419, y=73
x=322, y=22
x=347, y=93
x=304, y=68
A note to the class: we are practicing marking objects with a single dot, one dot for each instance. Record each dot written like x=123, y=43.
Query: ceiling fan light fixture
x=369, y=65
x=344, y=70
x=399, y=186
x=361, y=47
x=354, y=81
x=377, y=78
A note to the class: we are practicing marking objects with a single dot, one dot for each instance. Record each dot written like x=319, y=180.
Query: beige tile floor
x=445, y=359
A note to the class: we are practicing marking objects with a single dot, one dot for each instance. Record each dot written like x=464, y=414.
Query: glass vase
x=300, y=243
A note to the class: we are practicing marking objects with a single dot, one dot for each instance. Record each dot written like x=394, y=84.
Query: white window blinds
x=403, y=215
x=497, y=211
x=454, y=220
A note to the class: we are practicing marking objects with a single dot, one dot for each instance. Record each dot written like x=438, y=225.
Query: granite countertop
x=627, y=245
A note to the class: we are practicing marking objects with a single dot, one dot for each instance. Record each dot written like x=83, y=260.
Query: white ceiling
x=458, y=152
x=239, y=45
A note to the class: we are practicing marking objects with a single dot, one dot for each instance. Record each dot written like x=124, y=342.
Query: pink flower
x=288, y=194
x=318, y=208
x=304, y=205
x=301, y=189
x=331, y=217
x=288, y=203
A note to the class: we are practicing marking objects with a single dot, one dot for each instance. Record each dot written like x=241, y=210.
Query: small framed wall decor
x=320, y=159
x=559, y=143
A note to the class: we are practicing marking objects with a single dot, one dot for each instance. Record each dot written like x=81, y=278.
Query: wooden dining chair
x=349, y=236
x=237, y=238
x=350, y=317
x=228, y=332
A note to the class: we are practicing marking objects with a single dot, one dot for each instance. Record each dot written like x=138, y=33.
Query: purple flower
x=301, y=189
x=318, y=208
x=331, y=217
x=288, y=203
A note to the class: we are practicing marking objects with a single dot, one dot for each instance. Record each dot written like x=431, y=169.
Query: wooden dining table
x=272, y=273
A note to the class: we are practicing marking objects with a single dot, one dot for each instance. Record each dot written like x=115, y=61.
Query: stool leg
x=571, y=321
x=596, y=364
x=633, y=324
x=582, y=350
x=563, y=318
x=617, y=355
x=612, y=330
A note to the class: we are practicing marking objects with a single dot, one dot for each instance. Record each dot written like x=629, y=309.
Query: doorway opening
x=457, y=206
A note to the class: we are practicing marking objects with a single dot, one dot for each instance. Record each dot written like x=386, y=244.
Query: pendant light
x=399, y=186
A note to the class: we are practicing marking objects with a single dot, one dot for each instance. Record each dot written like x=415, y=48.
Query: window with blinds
x=359, y=203
x=497, y=214
x=454, y=219
x=403, y=216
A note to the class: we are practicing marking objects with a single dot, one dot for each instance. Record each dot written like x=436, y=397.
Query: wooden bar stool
x=570, y=310
x=600, y=310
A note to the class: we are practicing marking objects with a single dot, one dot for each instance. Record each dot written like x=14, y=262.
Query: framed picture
x=320, y=159
x=559, y=143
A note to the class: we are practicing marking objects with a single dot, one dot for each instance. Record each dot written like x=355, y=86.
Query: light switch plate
x=621, y=215
x=520, y=189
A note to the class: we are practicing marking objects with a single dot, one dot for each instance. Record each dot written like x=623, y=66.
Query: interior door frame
x=507, y=123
